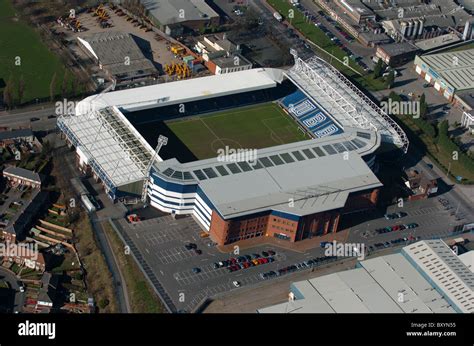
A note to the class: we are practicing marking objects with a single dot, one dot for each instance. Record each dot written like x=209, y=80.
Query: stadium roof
x=188, y=90
x=168, y=12
x=334, y=93
x=457, y=67
x=386, y=284
x=438, y=262
x=316, y=174
x=110, y=144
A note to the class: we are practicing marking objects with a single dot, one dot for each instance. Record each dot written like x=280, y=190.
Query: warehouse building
x=173, y=16
x=425, y=277
x=449, y=72
x=396, y=54
x=118, y=55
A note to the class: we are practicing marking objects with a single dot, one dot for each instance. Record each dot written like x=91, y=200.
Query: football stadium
x=300, y=148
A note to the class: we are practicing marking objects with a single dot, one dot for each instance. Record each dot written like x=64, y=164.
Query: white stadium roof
x=318, y=174
x=110, y=144
x=343, y=100
x=188, y=90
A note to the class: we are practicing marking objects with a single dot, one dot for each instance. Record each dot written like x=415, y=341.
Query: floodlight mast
x=162, y=140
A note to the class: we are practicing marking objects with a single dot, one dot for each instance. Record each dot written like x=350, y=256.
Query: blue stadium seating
x=309, y=115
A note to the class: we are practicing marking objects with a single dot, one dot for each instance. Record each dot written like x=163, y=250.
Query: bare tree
x=52, y=87
x=8, y=94
x=21, y=89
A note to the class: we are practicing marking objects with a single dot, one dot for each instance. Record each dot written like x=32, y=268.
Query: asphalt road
x=16, y=119
x=354, y=46
x=20, y=297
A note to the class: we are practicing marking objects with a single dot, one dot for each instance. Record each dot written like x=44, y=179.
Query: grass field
x=251, y=127
x=37, y=65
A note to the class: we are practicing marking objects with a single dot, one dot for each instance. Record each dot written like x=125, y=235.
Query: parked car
x=197, y=251
x=196, y=270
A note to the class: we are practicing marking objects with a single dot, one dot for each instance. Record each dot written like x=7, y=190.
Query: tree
x=8, y=94
x=390, y=79
x=378, y=68
x=64, y=84
x=423, y=106
x=21, y=89
x=103, y=303
x=52, y=87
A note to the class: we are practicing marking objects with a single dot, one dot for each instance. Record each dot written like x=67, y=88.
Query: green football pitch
x=253, y=127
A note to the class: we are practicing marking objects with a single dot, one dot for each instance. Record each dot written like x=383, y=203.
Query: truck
x=278, y=16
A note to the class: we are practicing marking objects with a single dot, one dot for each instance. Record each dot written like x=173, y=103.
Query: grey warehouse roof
x=112, y=48
x=168, y=12
x=455, y=67
x=317, y=174
x=375, y=287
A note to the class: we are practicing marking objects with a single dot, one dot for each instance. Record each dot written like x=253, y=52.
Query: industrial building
x=356, y=10
x=118, y=55
x=396, y=54
x=291, y=191
x=425, y=277
x=174, y=16
x=221, y=55
x=412, y=19
x=448, y=72
x=438, y=42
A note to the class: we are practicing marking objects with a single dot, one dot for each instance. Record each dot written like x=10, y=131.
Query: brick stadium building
x=292, y=191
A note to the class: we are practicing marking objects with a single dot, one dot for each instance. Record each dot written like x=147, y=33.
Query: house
x=17, y=175
x=13, y=136
x=25, y=256
x=17, y=226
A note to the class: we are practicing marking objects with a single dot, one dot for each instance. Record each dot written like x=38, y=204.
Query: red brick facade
x=229, y=231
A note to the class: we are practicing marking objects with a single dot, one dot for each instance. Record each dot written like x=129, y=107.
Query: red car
x=396, y=228
x=260, y=260
x=233, y=260
x=265, y=260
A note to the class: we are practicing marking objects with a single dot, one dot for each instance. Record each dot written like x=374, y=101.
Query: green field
x=251, y=127
x=37, y=64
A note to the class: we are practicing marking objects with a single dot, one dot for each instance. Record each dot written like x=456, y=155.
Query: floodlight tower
x=162, y=140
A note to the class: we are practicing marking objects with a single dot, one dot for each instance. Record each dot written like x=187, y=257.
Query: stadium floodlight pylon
x=162, y=140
